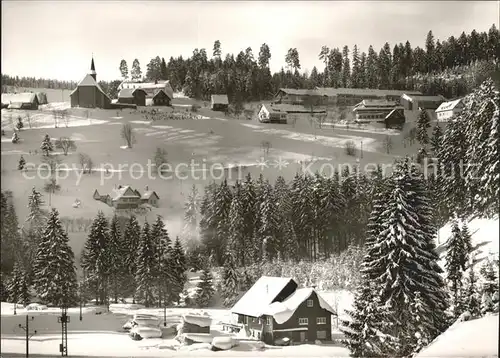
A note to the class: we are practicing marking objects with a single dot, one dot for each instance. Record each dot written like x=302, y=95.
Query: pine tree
x=489, y=289
x=421, y=155
x=163, y=256
x=131, y=240
x=230, y=282
x=54, y=265
x=178, y=264
x=115, y=251
x=421, y=326
x=145, y=274
x=205, y=290
x=208, y=224
x=436, y=140
x=95, y=259
x=11, y=243
x=236, y=245
x=363, y=329
x=222, y=206
x=423, y=124
x=346, y=68
x=250, y=217
x=46, y=145
x=191, y=212
x=471, y=300
x=269, y=222
x=19, y=285
x=136, y=72
x=21, y=164
x=402, y=260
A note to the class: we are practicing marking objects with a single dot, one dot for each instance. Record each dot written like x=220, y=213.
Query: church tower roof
x=93, y=73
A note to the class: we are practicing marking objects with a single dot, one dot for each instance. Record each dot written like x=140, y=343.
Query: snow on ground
x=116, y=117
x=180, y=95
x=475, y=338
x=222, y=119
x=485, y=238
x=55, y=105
x=363, y=128
x=140, y=122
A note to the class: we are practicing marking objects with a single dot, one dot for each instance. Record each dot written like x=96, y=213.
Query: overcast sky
x=55, y=39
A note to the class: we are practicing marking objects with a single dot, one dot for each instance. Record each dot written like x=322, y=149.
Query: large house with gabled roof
x=275, y=308
x=88, y=93
x=124, y=197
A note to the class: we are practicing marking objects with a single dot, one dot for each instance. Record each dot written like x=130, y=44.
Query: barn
x=351, y=96
x=275, y=308
x=160, y=98
x=220, y=102
x=150, y=87
x=88, y=93
x=395, y=119
x=415, y=102
x=20, y=100
x=132, y=96
x=299, y=96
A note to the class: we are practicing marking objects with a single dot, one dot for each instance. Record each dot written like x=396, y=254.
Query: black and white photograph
x=250, y=178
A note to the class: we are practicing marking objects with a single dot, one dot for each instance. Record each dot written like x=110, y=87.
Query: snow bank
x=198, y=320
x=223, y=343
x=476, y=338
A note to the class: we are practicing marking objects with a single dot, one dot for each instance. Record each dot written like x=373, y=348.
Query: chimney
x=147, y=188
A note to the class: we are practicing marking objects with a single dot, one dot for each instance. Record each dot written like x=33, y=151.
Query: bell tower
x=92, y=69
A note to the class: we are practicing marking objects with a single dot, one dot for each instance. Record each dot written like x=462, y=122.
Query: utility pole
x=361, y=149
x=80, y=301
x=165, y=316
x=64, y=320
x=15, y=306
x=28, y=336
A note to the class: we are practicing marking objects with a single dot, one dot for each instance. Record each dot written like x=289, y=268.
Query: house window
x=321, y=334
x=268, y=321
x=303, y=321
x=310, y=303
x=258, y=335
x=320, y=320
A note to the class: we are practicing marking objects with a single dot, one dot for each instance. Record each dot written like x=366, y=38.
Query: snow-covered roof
x=255, y=302
x=120, y=193
x=198, y=320
x=282, y=311
x=128, y=92
x=157, y=91
x=330, y=92
x=220, y=99
x=147, y=194
x=475, y=338
x=89, y=81
x=27, y=97
x=448, y=106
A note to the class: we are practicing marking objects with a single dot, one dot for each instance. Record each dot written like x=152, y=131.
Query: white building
x=149, y=87
x=449, y=109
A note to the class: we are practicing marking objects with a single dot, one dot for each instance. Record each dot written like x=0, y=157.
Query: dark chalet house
x=88, y=93
x=275, y=308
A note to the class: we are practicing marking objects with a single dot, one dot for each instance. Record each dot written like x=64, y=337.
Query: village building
x=299, y=96
x=275, y=308
x=151, y=88
x=132, y=96
x=268, y=113
x=88, y=93
x=414, y=102
x=351, y=96
x=124, y=197
x=384, y=112
x=20, y=100
x=450, y=109
x=219, y=102
x=160, y=98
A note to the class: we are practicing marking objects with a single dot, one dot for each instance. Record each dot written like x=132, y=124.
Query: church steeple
x=92, y=69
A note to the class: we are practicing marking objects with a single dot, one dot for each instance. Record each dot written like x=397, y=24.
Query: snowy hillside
x=485, y=237
x=476, y=338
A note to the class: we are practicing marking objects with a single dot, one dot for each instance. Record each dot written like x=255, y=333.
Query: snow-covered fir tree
x=266, y=233
x=145, y=274
x=37, y=216
x=436, y=139
x=46, y=145
x=163, y=260
x=471, y=300
x=421, y=155
x=11, y=242
x=489, y=287
x=21, y=163
x=116, y=267
x=457, y=257
x=95, y=258
x=250, y=215
x=54, y=265
x=236, y=245
x=402, y=261
x=19, y=285
x=191, y=217
x=208, y=222
x=205, y=289
x=131, y=240
x=423, y=125
x=230, y=286
x=178, y=264
x=222, y=206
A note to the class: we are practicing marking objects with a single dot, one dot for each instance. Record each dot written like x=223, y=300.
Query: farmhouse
x=415, y=102
x=351, y=96
x=220, y=102
x=379, y=111
x=160, y=98
x=124, y=197
x=149, y=87
x=132, y=96
x=268, y=113
x=276, y=308
x=88, y=93
x=20, y=100
x=447, y=110
x=299, y=96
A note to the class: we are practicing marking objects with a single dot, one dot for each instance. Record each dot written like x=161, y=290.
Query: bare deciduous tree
x=55, y=114
x=160, y=159
x=51, y=163
x=86, y=163
x=127, y=133
x=51, y=186
x=350, y=148
x=65, y=117
x=28, y=119
x=388, y=143
x=66, y=144
x=266, y=146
